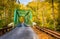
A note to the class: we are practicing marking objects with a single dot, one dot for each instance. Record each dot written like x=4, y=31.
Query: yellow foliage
x=43, y=8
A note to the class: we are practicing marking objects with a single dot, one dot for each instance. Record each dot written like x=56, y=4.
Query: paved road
x=20, y=33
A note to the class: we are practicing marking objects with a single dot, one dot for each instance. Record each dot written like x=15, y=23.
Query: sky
x=25, y=2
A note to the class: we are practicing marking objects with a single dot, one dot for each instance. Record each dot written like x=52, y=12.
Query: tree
x=7, y=6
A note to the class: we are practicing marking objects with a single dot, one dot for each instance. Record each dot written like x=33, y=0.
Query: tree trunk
x=53, y=14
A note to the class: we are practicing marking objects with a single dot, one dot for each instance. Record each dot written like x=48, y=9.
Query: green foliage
x=1, y=25
x=51, y=26
x=58, y=28
x=38, y=23
x=1, y=7
x=7, y=10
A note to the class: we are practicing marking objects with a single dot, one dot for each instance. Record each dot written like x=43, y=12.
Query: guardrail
x=50, y=32
x=4, y=30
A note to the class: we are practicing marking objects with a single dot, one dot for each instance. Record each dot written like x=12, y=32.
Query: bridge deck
x=20, y=33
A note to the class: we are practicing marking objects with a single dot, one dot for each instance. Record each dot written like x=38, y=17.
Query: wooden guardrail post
x=4, y=30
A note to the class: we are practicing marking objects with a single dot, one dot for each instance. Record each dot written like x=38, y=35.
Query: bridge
x=39, y=19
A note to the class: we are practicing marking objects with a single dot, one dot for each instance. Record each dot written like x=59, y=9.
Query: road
x=20, y=33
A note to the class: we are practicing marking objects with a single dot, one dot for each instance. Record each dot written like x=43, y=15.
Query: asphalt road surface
x=20, y=32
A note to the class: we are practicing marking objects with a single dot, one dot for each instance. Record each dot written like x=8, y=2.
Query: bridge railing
x=5, y=29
